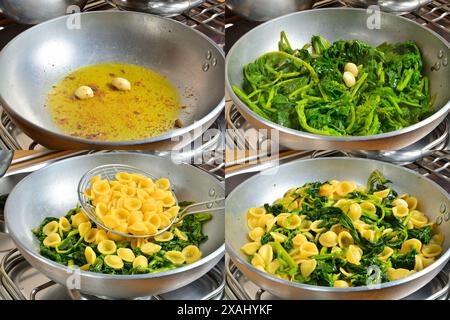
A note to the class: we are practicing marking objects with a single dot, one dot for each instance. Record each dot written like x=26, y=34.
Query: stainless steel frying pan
x=273, y=183
x=52, y=191
x=39, y=57
x=344, y=23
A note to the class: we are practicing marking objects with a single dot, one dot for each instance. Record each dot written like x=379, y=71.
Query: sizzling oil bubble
x=149, y=109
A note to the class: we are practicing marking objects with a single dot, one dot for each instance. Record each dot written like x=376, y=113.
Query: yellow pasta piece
x=410, y=244
x=250, y=248
x=52, y=240
x=273, y=266
x=91, y=235
x=159, y=194
x=140, y=262
x=151, y=229
x=111, y=221
x=328, y=239
x=126, y=254
x=100, y=236
x=64, y=224
x=354, y=211
x=418, y=219
x=132, y=204
x=191, y=253
x=137, y=228
x=307, y=267
x=368, y=235
x=84, y=228
x=150, y=248
x=51, y=227
x=315, y=226
x=121, y=214
x=326, y=190
x=145, y=183
x=90, y=255
x=114, y=262
x=293, y=221
x=345, y=187
x=278, y=237
x=165, y=221
x=266, y=253
x=368, y=207
x=163, y=183
x=169, y=200
x=256, y=212
x=256, y=233
x=382, y=194
x=257, y=260
x=437, y=239
x=298, y=240
x=128, y=192
x=308, y=249
x=412, y=203
x=176, y=257
x=101, y=187
x=123, y=177
x=400, y=203
x=340, y=284
x=396, y=274
x=431, y=250
x=386, y=253
x=173, y=211
x=135, y=216
x=78, y=218
x=106, y=247
x=164, y=237
x=180, y=234
x=142, y=195
x=353, y=254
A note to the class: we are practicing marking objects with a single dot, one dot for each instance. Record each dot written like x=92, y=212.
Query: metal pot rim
x=169, y=135
x=437, y=114
x=442, y=259
x=93, y=275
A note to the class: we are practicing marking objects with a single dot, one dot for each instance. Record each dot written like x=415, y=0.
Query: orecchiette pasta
x=73, y=239
x=333, y=233
x=132, y=203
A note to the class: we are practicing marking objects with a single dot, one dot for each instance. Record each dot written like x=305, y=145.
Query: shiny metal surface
x=263, y=10
x=272, y=183
x=438, y=139
x=391, y=5
x=160, y=7
x=33, y=12
x=40, y=56
x=343, y=23
x=5, y=161
x=51, y=191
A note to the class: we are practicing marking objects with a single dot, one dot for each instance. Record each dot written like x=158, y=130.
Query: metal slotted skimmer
x=109, y=172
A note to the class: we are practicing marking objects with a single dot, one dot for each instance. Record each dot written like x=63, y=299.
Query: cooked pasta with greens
x=74, y=240
x=338, y=234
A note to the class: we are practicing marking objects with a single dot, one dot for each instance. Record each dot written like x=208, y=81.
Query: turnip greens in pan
x=345, y=88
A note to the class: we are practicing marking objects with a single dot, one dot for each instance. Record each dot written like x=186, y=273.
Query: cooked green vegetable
x=71, y=249
x=304, y=88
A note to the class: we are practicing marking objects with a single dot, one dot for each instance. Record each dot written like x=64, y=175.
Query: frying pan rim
x=298, y=133
x=94, y=275
x=167, y=135
x=235, y=256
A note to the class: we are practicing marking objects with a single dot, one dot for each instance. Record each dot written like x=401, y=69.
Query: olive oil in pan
x=149, y=109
